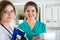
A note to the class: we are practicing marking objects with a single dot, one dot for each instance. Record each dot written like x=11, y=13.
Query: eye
x=5, y=11
x=12, y=11
x=32, y=10
x=28, y=11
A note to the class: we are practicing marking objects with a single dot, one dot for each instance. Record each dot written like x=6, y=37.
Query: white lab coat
x=4, y=34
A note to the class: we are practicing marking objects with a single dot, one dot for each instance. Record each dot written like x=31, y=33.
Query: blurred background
x=49, y=13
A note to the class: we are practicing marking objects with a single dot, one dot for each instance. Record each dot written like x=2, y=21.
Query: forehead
x=8, y=7
x=30, y=7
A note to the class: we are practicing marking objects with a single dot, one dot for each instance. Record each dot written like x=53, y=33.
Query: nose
x=9, y=13
x=30, y=12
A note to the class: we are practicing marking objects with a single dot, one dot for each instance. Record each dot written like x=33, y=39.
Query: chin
x=10, y=20
x=30, y=18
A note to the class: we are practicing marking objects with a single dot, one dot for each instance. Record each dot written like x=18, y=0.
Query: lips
x=30, y=15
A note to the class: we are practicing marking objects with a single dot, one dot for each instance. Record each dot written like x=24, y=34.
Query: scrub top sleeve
x=19, y=26
x=43, y=28
x=42, y=35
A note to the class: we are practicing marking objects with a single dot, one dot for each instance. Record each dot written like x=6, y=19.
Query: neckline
x=30, y=27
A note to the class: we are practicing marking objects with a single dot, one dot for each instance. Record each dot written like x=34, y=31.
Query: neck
x=31, y=21
x=6, y=24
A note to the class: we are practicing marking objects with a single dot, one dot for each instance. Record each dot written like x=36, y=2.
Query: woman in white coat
x=7, y=14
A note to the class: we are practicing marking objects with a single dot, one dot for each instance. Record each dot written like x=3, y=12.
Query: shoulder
x=41, y=23
x=2, y=33
x=22, y=24
x=42, y=27
x=1, y=29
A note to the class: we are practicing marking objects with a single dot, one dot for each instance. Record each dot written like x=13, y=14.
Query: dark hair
x=30, y=3
x=5, y=3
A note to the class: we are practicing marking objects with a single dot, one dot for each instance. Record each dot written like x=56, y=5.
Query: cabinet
x=59, y=15
x=51, y=15
x=55, y=16
x=48, y=16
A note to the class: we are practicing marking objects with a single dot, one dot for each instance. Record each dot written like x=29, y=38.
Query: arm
x=42, y=35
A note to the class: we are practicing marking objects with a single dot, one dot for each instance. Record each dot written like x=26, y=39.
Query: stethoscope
x=6, y=29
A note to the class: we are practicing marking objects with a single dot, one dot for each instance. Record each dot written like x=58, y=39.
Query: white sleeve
x=4, y=34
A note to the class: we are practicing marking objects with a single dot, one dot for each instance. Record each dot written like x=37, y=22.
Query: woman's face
x=8, y=14
x=30, y=12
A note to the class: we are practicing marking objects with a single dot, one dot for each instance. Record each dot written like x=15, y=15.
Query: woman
x=31, y=26
x=7, y=14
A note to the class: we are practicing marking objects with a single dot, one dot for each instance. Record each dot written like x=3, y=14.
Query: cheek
x=13, y=15
x=35, y=14
x=4, y=17
x=26, y=14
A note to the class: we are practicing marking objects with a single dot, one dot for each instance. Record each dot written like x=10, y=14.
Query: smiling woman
x=31, y=26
